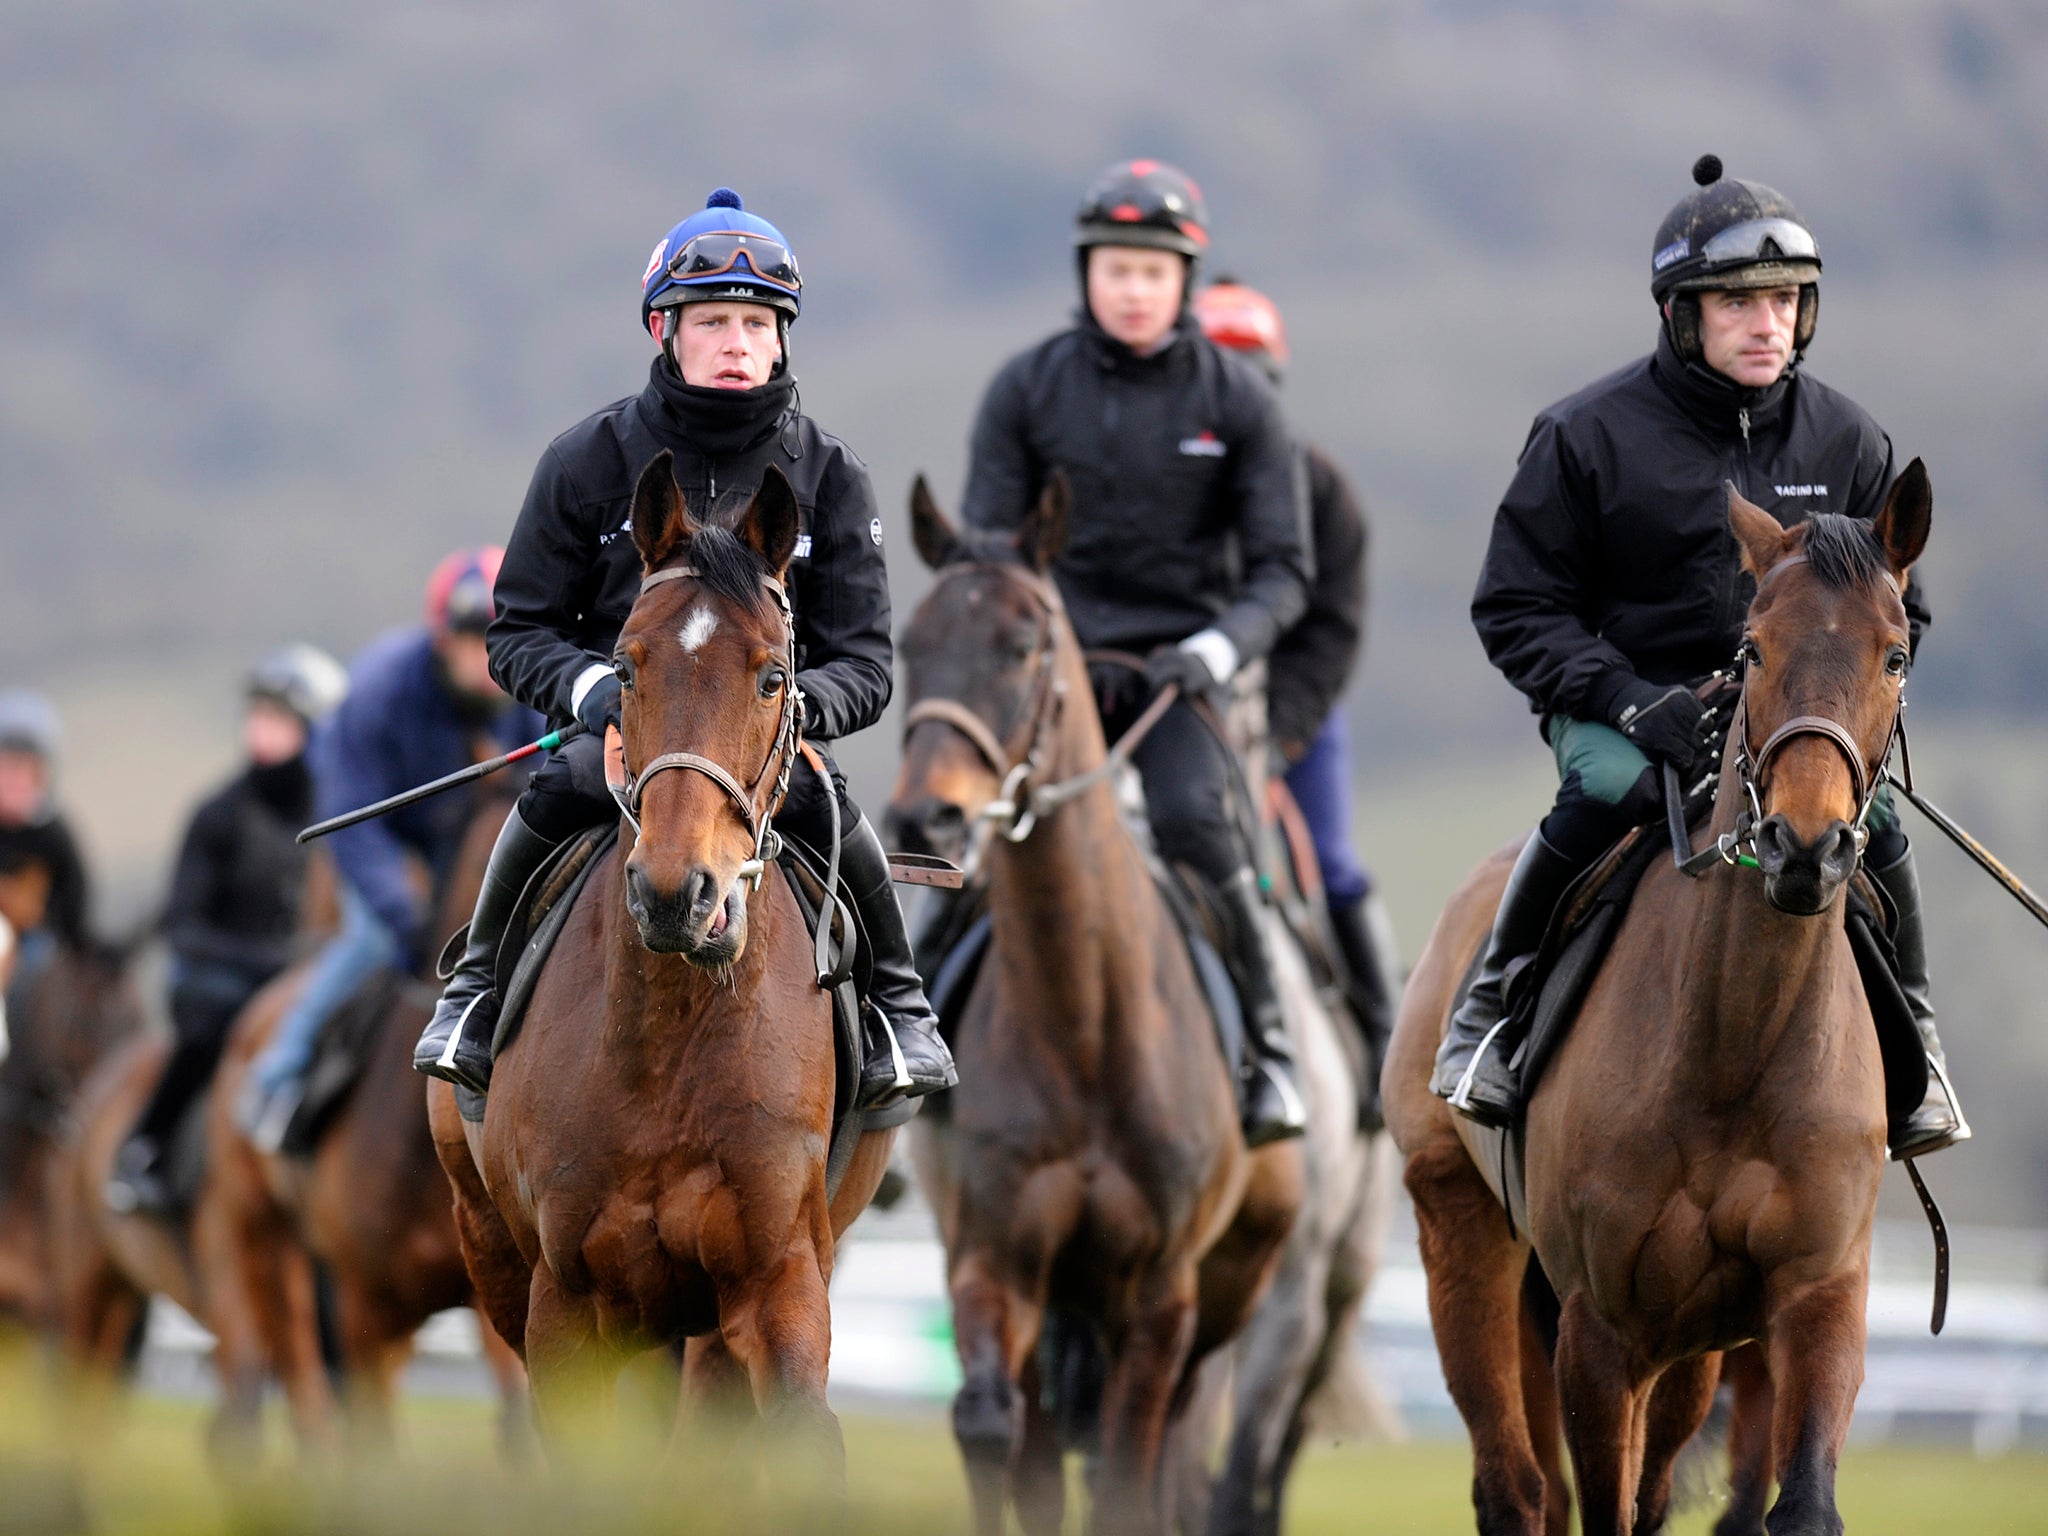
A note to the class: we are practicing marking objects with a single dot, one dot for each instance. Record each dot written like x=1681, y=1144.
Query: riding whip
x=468, y=775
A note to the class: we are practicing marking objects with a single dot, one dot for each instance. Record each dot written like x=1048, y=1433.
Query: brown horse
x=371, y=1204
x=1096, y=1168
x=78, y=1009
x=651, y=1165
x=1703, y=1154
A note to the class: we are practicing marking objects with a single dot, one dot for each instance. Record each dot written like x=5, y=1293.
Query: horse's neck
x=1750, y=981
x=1076, y=895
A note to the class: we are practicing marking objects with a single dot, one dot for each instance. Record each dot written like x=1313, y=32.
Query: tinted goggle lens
x=709, y=255
x=1747, y=242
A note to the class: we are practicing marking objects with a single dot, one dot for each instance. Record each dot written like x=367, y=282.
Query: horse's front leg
x=995, y=1330
x=573, y=1371
x=1748, y=1373
x=1148, y=1356
x=1816, y=1352
x=1606, y=1416
x=1678, y=1407
x=779, y=1329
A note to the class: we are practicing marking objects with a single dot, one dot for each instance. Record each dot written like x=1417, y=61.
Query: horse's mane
x=1844, y=552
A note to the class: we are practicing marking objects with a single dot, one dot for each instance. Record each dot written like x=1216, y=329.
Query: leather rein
x=781, y=758
x=1021, y=803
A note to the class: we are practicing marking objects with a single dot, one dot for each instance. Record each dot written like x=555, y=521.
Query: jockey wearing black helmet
x=1611, y=584
x=1186, y=541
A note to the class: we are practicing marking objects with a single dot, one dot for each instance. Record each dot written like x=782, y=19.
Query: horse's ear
x=936, y=538
x=1908, y=514
x=773, y=521
x=1044, y=533
x=661, y=523
x=1764, y=542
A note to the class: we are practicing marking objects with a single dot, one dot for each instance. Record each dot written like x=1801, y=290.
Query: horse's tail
x=1072, y=1370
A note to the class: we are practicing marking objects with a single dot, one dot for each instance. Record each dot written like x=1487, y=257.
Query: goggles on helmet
x=718, y=251
x=1747, y=241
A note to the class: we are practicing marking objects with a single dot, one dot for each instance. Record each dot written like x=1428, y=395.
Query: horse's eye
x=1895, y=661
x=772, y=679
x=1747, y=653
x=622, y=669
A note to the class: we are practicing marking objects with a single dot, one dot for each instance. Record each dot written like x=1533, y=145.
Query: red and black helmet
x=1144, y=202
x=459, y=593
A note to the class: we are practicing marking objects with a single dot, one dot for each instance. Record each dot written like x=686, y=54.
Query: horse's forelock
x=1844, y=552
x=986, y=546
x=729, y=568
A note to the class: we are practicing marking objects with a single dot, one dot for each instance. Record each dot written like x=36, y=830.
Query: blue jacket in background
x=398, y=728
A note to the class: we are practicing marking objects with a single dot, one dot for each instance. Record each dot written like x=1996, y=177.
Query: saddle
x=841, y=950
x=951, y=951
x=340, y=1056
x=1545, y=991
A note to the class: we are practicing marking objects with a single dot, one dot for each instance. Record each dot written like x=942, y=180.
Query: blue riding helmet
x=722, y=252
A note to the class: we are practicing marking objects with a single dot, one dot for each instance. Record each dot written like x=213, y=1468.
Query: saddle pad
x=340, y=1054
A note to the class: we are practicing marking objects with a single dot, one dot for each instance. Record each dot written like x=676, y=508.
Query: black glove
x=1667, y=723
x=600, y=706
x=1172, y=664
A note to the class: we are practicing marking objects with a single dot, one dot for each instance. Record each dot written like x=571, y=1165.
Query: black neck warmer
x=719, y=423
x=1113, y=356
x=1713, y=399
x=286, y=787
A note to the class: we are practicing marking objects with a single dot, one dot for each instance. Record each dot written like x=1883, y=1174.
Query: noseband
x=1017, y=810
x=781, y=754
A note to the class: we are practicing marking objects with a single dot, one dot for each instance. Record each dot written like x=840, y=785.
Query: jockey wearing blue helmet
x=720, y=252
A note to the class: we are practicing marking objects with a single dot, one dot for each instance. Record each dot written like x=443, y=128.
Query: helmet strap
x=1682, y=325
x=1809, y=318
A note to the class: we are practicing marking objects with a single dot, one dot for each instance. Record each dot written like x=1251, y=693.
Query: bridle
x=1751, y=763
x=1022, y=803
x=782, y=753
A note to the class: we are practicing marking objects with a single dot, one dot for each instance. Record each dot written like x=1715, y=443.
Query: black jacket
x=1611, y=557
x=571, y=573
x=241, y=874
x=1187, y=503
x=1309, y=667
x=48, y=841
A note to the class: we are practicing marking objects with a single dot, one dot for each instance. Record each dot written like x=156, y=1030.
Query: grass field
x=144, y=1474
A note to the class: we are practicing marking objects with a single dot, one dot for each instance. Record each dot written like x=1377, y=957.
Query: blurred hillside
x=291, y=296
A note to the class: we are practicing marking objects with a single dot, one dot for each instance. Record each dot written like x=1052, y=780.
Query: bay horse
x=1703, y=1153
x=651, y=1164
x=1094, y=1167
x=371, y=1205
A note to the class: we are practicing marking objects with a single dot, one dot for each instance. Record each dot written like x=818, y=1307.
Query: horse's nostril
x=946, y=820
x=1770, y=845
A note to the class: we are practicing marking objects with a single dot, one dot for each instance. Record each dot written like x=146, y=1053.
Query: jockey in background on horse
x=421, y=703
x=1305, y=679
x=718, y=298
x=33, y=834
x=1185, y=544
x=236, y=893
x=1611, y=589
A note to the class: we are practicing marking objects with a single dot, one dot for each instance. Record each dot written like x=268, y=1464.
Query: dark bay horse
x=1094, y=1167
x=78, y=1009
x=651, y=1166
x=1703, y=1154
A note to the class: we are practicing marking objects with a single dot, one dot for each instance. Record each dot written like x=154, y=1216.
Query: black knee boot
x=1272, y=1105
x=1938, y=1122
x=1472, y=1063
x=912, y=1060
x=457, y=1044
x=1365, y=944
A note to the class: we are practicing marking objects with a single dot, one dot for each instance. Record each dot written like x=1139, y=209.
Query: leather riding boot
x=1272, y=1105
x=1365, y=944
x=913, y=1061
x=457, y=1044
x=1472, y=1064
x=1938, y=1122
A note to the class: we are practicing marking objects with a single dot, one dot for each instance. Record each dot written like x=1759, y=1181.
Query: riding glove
x=1174, y=664
x=1667, y=723
x=601, y=703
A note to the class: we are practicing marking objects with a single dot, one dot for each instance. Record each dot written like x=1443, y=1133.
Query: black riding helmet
x=1143, y=202
x=1732, y=234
